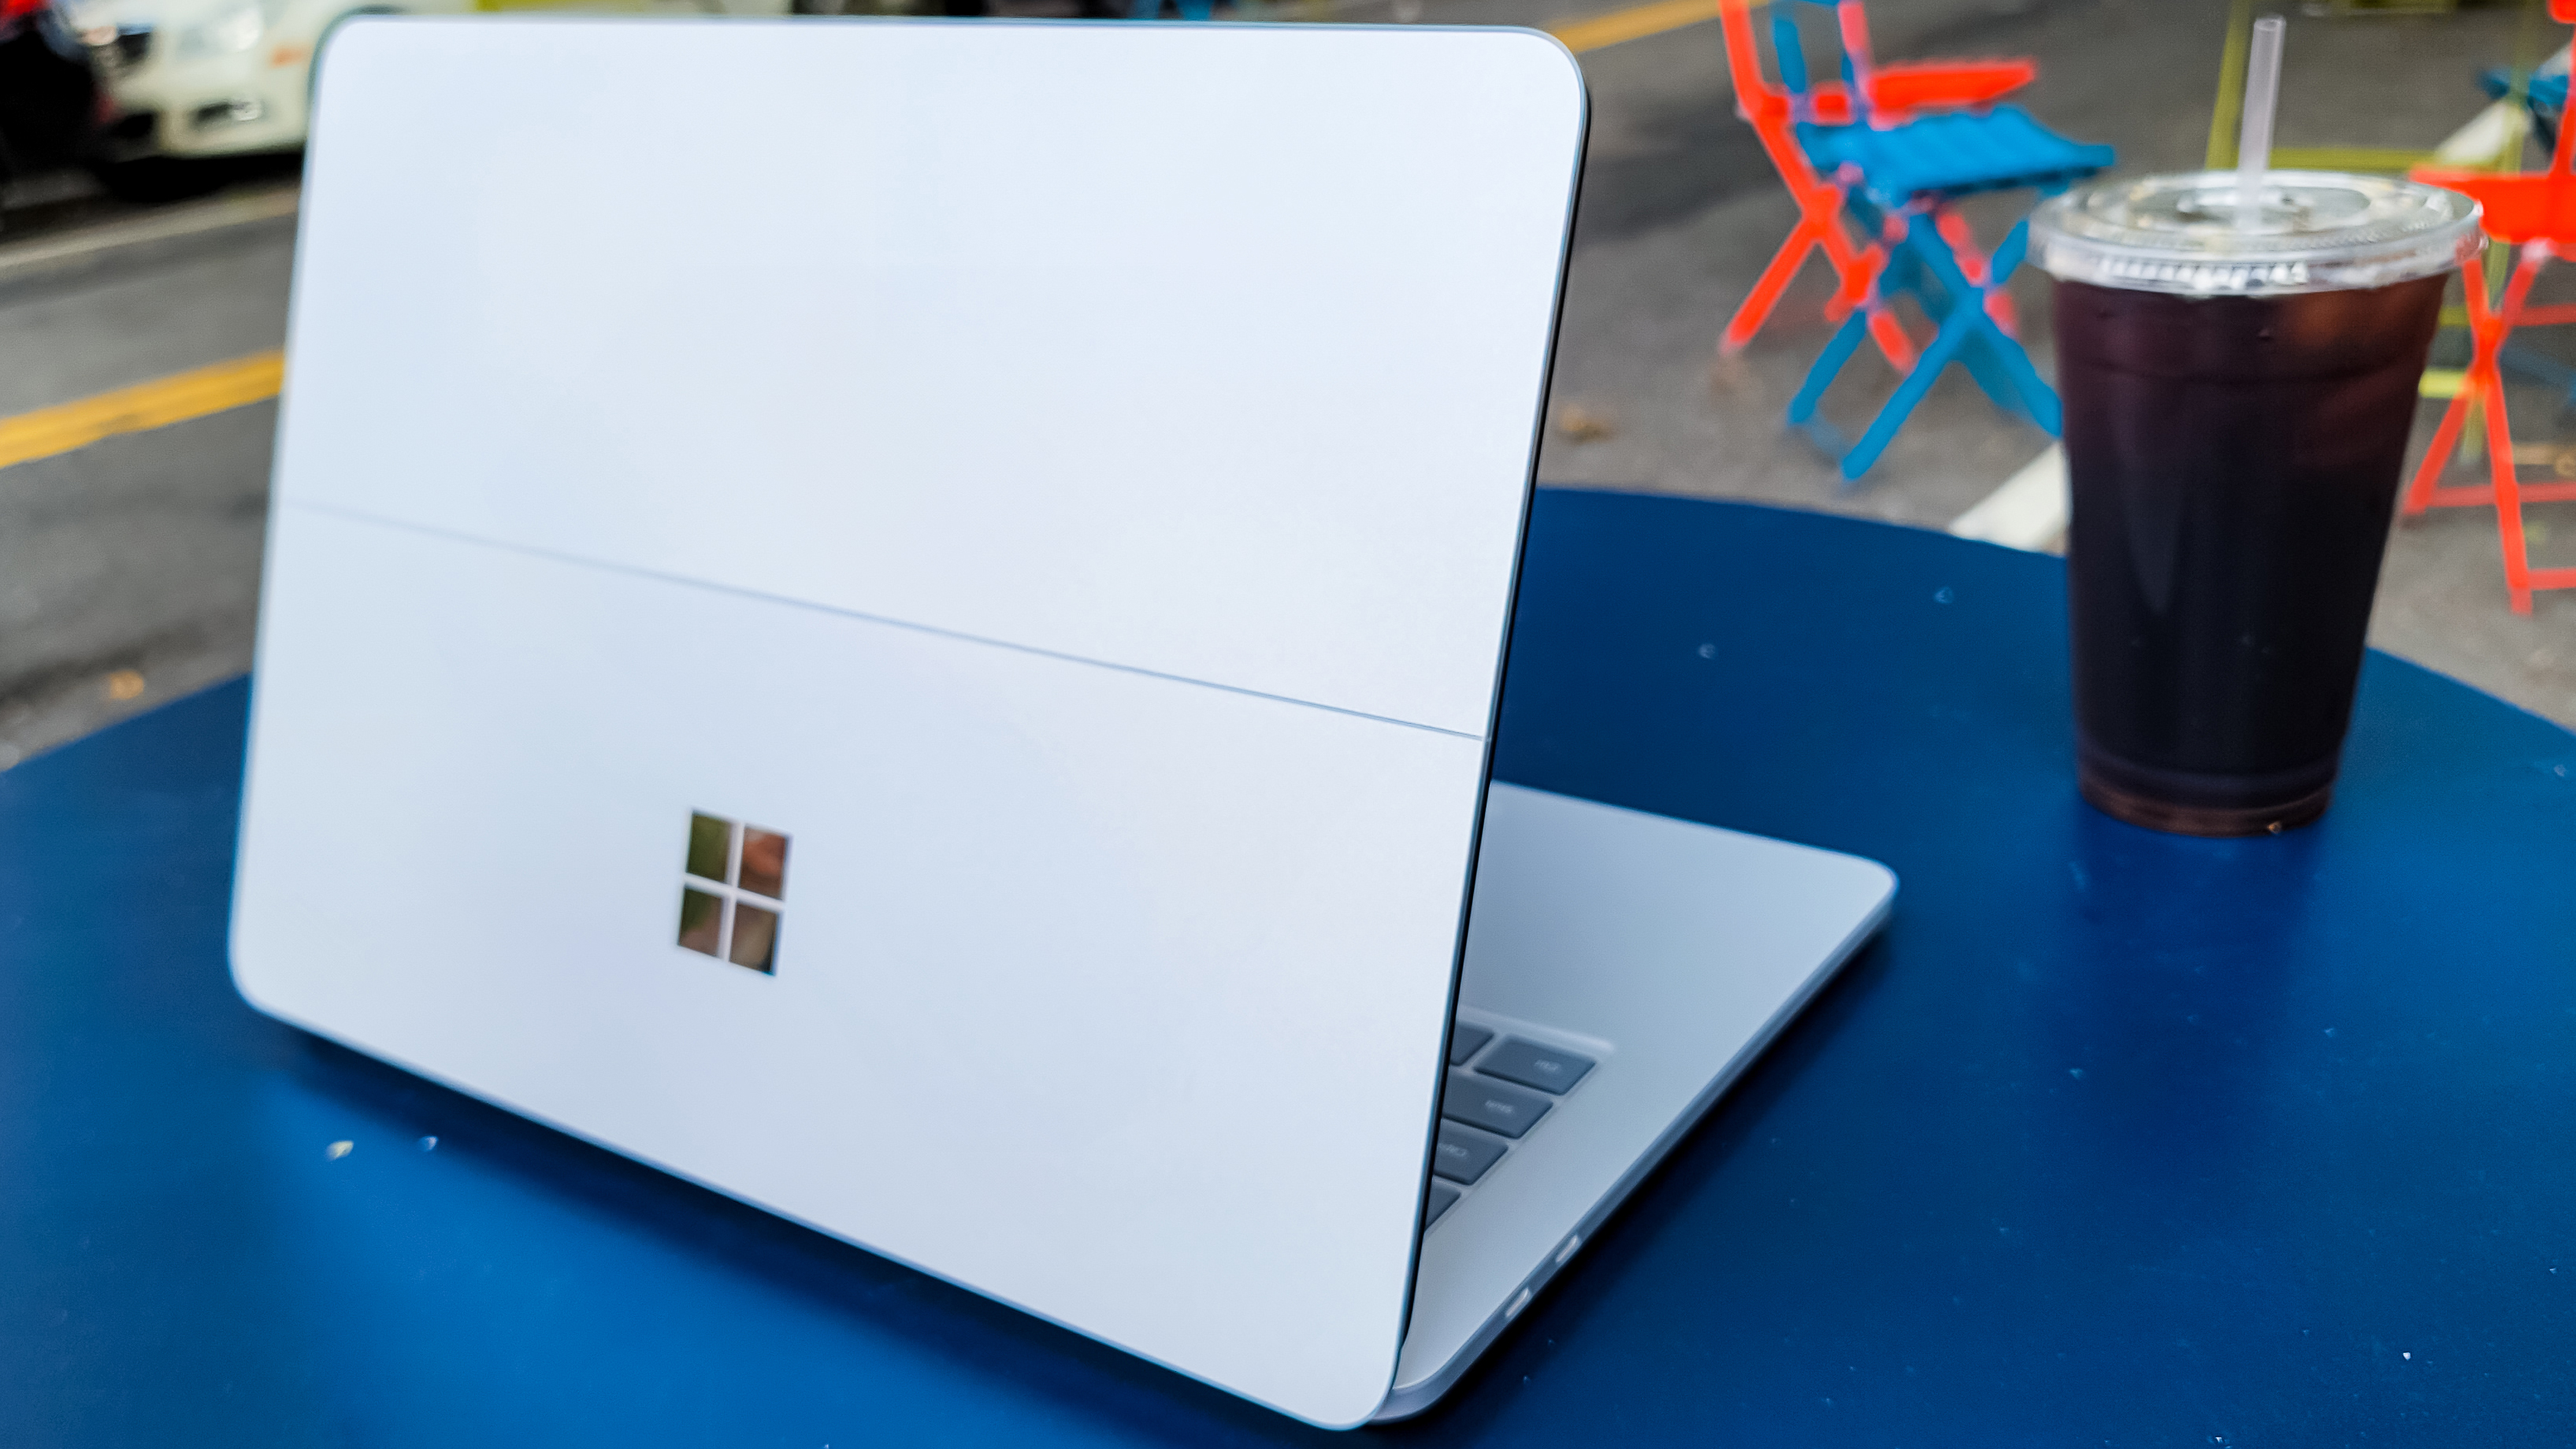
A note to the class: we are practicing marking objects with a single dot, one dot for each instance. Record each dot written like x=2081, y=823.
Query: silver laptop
x=904, y=621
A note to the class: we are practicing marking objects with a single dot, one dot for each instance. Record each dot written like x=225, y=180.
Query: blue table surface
x=2114, y=1137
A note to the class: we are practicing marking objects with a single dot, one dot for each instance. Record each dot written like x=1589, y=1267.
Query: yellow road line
x=2345, y=158
x=50, y=431
x=56, y=430
x=2228, y=116
x=225, y=385
x=2229, y=113
x=1635, y=23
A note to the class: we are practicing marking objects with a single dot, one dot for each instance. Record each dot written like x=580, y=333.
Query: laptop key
x=1464, y=1156
x=1443, y=1198
x=1532, y=1065
x=1463, y=1041
x=1483, y=1102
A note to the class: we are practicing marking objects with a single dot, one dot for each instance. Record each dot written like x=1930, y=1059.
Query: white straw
x=2254, y=142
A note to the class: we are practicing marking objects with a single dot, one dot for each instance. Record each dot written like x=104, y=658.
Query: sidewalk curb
x=179, y=231
x=2028, y=512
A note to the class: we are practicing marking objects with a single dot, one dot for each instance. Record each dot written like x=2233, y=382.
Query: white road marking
x=2494, y=136
x=45, y=253
x=2028, y=512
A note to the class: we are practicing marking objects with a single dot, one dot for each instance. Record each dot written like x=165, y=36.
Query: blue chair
x=1898, y=181
x=2543, y=93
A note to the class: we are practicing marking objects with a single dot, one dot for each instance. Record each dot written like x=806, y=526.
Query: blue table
x=2115, y=1137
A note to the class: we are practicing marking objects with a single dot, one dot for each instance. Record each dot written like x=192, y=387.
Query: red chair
x=2536, y=212
x=1893, y=94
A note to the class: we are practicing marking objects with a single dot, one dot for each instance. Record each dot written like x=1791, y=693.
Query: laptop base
x=1666, y=952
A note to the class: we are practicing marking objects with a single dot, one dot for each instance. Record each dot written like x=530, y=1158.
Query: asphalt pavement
x=1681, y=209
x=129, y=568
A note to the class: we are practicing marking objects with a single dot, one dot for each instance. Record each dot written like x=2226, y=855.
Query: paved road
x=1681, y=210
x=138, y=555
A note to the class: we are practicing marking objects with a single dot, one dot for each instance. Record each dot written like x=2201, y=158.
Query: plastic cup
x=2238, y=394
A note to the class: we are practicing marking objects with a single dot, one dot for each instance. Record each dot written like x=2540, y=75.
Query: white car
x=205, y=78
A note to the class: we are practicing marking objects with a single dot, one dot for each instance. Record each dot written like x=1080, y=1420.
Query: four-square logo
x=729, y=897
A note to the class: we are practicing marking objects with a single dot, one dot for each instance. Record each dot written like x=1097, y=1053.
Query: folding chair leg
x=2447, y=437
x=2508, y=499
x=1871, y=282
x=2428, y=473
x=1855, y=269
x=1864, y=273
x=1820, y=225
x=1882, y=429
x=1805, y=237
x=1829, y=364
x=1993, y=358
x=2478, y=414
x=1988, y=368
x=1972, y=264
x=1962, y=243
x=1891, y=338
x=2033, y=398
x=1892, y=342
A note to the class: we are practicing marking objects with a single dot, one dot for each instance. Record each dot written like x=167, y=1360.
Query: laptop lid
x=903, y=620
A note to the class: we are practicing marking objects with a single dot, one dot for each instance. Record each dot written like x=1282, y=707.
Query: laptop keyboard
x=1500, y=1087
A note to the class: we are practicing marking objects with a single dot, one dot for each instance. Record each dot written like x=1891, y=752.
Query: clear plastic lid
x=2318, y=231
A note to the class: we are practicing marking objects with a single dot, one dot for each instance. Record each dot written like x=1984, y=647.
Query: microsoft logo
x=729, y=897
